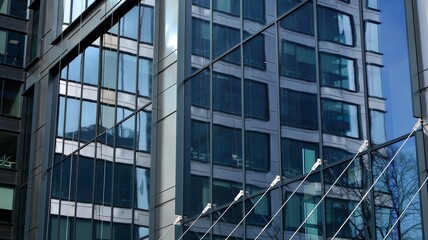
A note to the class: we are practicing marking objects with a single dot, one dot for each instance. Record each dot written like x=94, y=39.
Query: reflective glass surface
x=12, y=47
x=17, y=8
x=335, y=26
x=337, y=71
x=10, y=98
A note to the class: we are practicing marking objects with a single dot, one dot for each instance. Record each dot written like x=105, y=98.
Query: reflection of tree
x=393, y=192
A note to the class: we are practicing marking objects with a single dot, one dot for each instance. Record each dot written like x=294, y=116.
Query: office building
x=137, y=112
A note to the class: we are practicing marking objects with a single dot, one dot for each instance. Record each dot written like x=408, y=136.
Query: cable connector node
x=240, y=194
x=316, y=164
x=276, y=180
x=364, y=146
x=178, y=220
x=208, y=207
x=417, y=125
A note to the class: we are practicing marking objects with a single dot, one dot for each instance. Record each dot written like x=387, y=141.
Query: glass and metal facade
x=270, y=86
x=99, y=175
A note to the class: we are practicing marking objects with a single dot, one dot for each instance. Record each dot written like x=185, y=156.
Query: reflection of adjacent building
x=13, y=34
x=254, y=106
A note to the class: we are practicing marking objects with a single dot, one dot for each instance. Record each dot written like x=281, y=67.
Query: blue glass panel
x=74, y=69
x=297, y=61
x=257, y=151
x=88, y=121
x=144, y=131
x=125, y=134
x=128, y=24
x=300, y=20
x=146, y=24
x=142, y=188
x=72, y=119
x=299, y=109
x=103, y=181
x=61, y=112
x=90, y=71
x=145, y=77
x=297, y=156
x=335, y=26
x=127, y=78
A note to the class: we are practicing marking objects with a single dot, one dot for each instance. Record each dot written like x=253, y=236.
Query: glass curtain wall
x=100, y=172
x=274, y=85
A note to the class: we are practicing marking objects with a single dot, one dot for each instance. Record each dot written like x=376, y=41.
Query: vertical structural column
x=418, y=28
x=164, y=113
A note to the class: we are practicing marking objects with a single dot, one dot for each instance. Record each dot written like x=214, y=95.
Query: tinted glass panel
x=123, y=185
x=337, y=71
x=12, y=47
x=72, y=118
x=74, y=69
x=227, y=93
x=374, y=81
x=144, y=131
x=298, y=157
x=257, y=151
x=299, y=109
x=200, y=141
x=146, y=24
x=103, y=179
x=6, y=204
x=88, y=121
x=224, y=38
x=125, y=134
x=298, y=61
x=17, y=8
x=335, y=26
x=10, y=98
x=340, y=118
x=301, y=20
x=128, y=24
x=144, y=77
x=142, y=188
x=227, y=146
x=372, y=37
x=83, y=229
x=127, y=73
x=256, y=100
x=90, y=71
x=85, y=179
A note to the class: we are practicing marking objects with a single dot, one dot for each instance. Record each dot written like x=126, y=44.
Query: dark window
x=200, y=89
x=299, y=109
x=197, y=195
x=301, y=20
x=262, y=211
x=200, y=141
x=332, y=154
x=298, y=61
x=201, y=37
x=10, y=98
x=254, y=10
x=340, y=118
x=34, y=37
x=17, y=8
x=12, y=47
x=85, y=179
x=102, y=230
x=146, y=24
x=6, y=204
x=122, y=231
x=142, y=188
x=227, y=93
x=337, y=211
x=61, y=117
x=257, y=151
x=227, y=146
x=335, y=26
x=68, y=178
x=123, y=179
x=338, y=71
x=83, y=229
x=224, y=38
x=56, y=182
x=8, y=148
x=256, y=100
x=284, y=6
x=125, y=134
x=202, y=3
x=103, y=182
x=298, y=157
x=254, y=52
x=227, y=6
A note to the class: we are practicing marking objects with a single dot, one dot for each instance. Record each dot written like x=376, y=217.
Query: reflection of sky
x=396, y=73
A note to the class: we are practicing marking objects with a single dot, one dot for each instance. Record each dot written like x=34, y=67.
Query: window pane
x=83, y=229
x=224, y=38
x=6, y=204
x=297, y=156
x=109, y=69
x=201, y=37
x=11, y=98
x=256, y=100
x=335, y=26
x=337, y=71
x=125, y=134
x=142, y=188
x=145, y=77
x=128, y=24
x=372, y=4
x=374, y=81
x=141, y=233
x=257, y=151
x=85, y=179
x=90, y=72
x=200, y=141
x=127, y=73
x=298, y=61
x=372, y=37
x=144, y=131
x=299, y=109
x=12, y=48
x=103, y=181
x=122, y=196
x=340, y=118
x=74, y=69
x=227, y=93
x=106, y=118
x=88, y=124
x=301, y=20
x=377, y=127
x=17, y=8
x=197, y=196
x=72, y=119
x=102, y=230
x=254, y=52
x=284, y=6
x=8, y=148
x=200, y=89
x=122, y=231
x=78, y=7
x=227, y=146
x=146, y=25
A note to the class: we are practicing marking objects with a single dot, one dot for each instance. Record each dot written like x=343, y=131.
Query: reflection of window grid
x=335, y=26
x=337, y=71
x=374, y=80
x=372, y=36
x=340, y=118
x=298, y=61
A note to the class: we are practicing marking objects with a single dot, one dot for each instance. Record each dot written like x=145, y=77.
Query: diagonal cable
x=274, y=182
x=203, y=212
x=315, y=166
x=415, y=128
x=361, y=149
